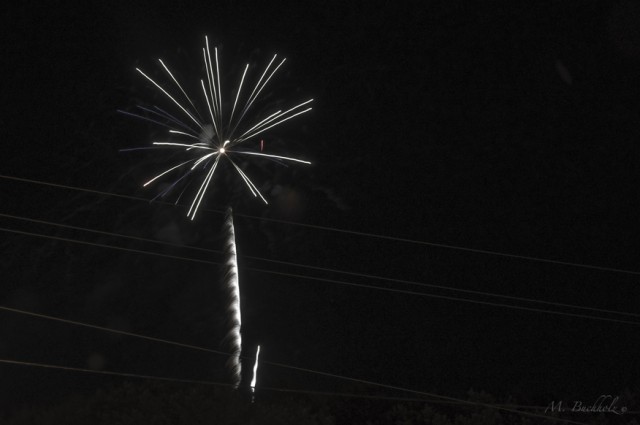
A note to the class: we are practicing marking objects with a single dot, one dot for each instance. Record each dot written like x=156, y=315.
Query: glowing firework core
x=221, y=150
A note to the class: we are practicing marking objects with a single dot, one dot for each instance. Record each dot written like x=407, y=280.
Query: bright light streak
x=235, y=102
x=203, y=187
x=165, y=172
x=255, y=371
x=177, y=83
x=249, y=183
x=187, y=145
x=273, y=156
x=182, y=133
x=170, y=97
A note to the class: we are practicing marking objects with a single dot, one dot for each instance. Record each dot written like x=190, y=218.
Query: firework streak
x=233, y=337
x=254, y=380
x=212, y=136
x=255, y=371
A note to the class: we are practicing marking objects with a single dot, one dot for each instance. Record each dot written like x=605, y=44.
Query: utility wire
x=445, y=297
x=388, y=398
x=115, y=331
x=221, y=384
x=101, y=245
x=105, y=372
x=338, y=230
x=218, y=352
x=272, y=389
x=423, y=393
x=338, y=282
x=260, y=388
x=325, y=269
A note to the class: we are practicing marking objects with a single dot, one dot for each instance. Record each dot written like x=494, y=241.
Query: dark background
x=502, y=127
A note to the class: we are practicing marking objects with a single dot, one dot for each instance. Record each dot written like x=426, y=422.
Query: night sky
x=507, y=128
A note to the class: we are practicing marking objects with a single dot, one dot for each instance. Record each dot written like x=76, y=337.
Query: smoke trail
x=233, y=337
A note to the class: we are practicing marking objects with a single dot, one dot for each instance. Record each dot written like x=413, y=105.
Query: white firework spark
x=254, y=380
x=255, y=371
x=233, y=337
x=215, y=137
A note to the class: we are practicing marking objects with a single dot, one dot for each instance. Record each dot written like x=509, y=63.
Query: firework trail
x=214, y=135
x=255, y=375
x=233, y=337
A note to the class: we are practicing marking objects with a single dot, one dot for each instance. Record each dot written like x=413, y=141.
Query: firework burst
x=214, y=136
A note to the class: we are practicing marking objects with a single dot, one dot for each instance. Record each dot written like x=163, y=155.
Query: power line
x=115, y=331
x=389, y=398
x=313, y=278
x=148, y=338
x=338, y=282
x=211, y=383
x=100, y=245
x=208, y=350
x=261, y=388
x=449, y=400
x=426, y=394
x=325, y=269
x=439, y=245
x=445, y=297
x=344, y=231
x=105, y=233
x=274, y=389
x=282, y=365
x=105, y=372
x=467, y=291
